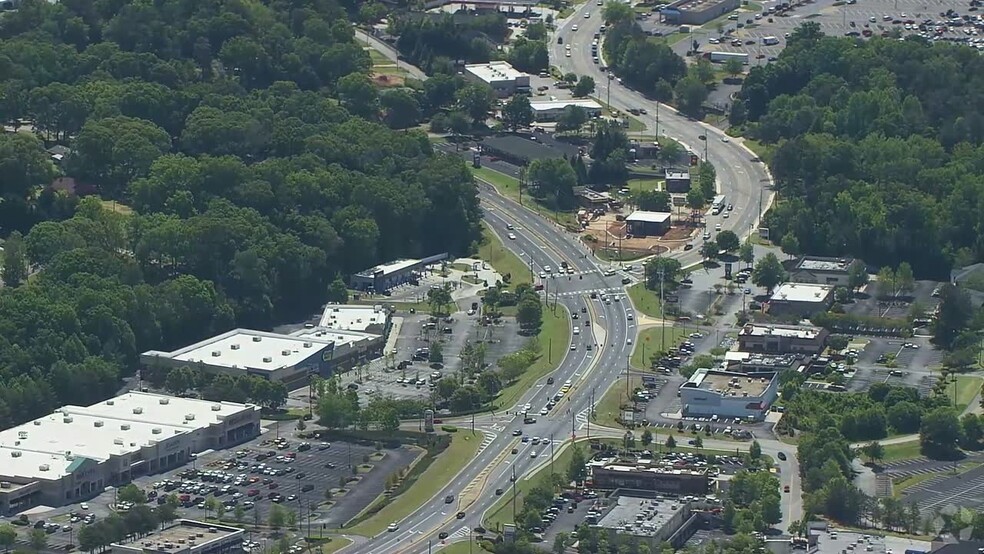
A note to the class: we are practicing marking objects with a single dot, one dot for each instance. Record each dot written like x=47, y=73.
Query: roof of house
x=802, y=292
x=648, y=217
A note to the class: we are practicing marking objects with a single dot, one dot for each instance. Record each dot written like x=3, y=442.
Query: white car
x=587, y=15
x=568, y=53
x=567, y=47
x=533, y=454
x=725, y=139
x=628, y=341
x=574, y=28
x=512, y=236
x=392, y=527
x=544, y=411
x=717, y=227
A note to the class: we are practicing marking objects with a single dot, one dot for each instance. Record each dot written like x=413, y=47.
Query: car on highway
x=533, y=454
x=587, y=15
x=717, y=227
x=512, y=236
x=442, y=535
x=785, y=488
x=459, y=515
x=574, y=28
x=688, y=246
x=392, y=527
x=544, y=411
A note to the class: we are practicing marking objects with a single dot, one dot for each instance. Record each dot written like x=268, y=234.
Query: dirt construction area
x=611, y=232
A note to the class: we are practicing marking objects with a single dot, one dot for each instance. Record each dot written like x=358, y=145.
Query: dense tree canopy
x=251, y=146
x=878, y=148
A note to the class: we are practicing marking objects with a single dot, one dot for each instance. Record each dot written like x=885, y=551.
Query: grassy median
x=464, y=446
x=645, y=300
x=554, y=340
x=502, y=259
x=653, y=339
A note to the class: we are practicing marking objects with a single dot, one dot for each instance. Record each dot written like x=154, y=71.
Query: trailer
x=720, y=57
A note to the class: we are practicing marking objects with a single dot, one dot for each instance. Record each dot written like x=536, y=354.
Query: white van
x=577, y=330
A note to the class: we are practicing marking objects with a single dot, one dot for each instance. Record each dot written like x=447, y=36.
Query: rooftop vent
x=234, y=347
x=216, y=353
x=118, y=442
x=16, y=454
x=4, y=484
x=285, y=352
x=36, y=422
x=189, y=417
x=44, y=467
x=307, y=345
x=165, y=401
x=138, y=410
x=216, y=407
x=97, y=423
x=257, y=339
x=22, y=434
x=267, y=359
x=110, y=402
x=67, y=419
x=125, y=427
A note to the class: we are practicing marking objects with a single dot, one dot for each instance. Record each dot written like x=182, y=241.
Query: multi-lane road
x=542, y=244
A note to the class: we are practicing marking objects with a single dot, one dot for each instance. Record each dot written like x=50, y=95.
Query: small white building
x=802, y=299
x=747, y=396
x=551, y=110
x=504, y=79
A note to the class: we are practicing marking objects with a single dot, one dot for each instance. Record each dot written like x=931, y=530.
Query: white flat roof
x=352, y=317
x=547, y=105
x=649, y=217
x=45, y=447
x=245, y=348
x=677, y=174
x=495, y=71
x=802, y=292
x=338, y=336
x=780, y=331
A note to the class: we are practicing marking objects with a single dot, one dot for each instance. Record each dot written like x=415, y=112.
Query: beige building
x=185, y=536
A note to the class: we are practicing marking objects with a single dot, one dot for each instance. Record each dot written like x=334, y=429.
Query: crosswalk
x=486, y=441
x=610, y=290
x=460, y=533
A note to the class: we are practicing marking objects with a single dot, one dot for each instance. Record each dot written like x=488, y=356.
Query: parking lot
x=912, y=366
x=962, y=491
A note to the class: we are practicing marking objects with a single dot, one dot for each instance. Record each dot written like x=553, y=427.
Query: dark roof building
x=523, y=149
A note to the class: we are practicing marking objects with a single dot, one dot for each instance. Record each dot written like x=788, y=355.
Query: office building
x=746, y=396
x=697, y=12
x=782, y=339
x=822, y=271
x=551, y=110
x=184, y=536
x=383, y=277
x=800, y=299
x=611, y=475
x=648, y=224
x=76, y=452
x=502, y=77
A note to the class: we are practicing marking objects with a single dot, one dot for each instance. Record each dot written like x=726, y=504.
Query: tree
x=647, y=437
x=904, y=280
x=733, y=67
x=577, y=470
x=710, y=249
x=584, y=87
x=939, y=434
x=8, y=536
x=358, y=95
x=337, y=291
x=616, y=12
x=553, y=178
x=652, y=200
x=670, y=442
x=560, y=543
x=400, y=108
x=874, y=451
x=971, y=431
x=14, y=267
x=439, y=299
x=667, y=269
x=746, y=253
x=572, y=119
x=728, y=241
x=768, y=272
x=690, y=94
x=790, y=245
x=518, y=112
x=38, y=539
x=696, y=199
x=755, y=451
x=131, y=493
x=476, y=101
x=529, y=314
x=886, y=282
x=953, y=316
x=857, y=275
x=436, y=353
x=277, y=517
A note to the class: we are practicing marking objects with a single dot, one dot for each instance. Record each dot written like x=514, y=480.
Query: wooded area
x=877, y=148
x=246, y=137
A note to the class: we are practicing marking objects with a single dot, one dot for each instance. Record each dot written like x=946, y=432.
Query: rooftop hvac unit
x=200, y=534
x=67, y=419
x=267, y=359
x=110, y=402
x=125, y=427
x=189, y=417
x=118, y=442
x=4, y=484
x=234, y=347
x=165, y=401
x=285, y=352
x=307, y=345
x=138, y=410
x=16, y=454
x=257, y=339
x=22, y=434
x=69, y=456
x=181, y=541
x=216, y=353
x=97, y=423
x=216, y=407
x=156, y=431
x=36, y=422
x=44, y=467
x=213, y=530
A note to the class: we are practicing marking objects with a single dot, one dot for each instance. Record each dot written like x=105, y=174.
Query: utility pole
x=551, y=454
x=514, y=493
x=662, y=312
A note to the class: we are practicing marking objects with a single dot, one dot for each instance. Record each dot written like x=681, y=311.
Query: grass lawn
x=554, y=338
x=508, y=186
x=462, y=547
x=638, y=185
x=114, y=206
x=651, y=340
x=336, y=544
x=761, y=150
x=464, y=447
x=908, y=481
x=967, y=388
x=608, y=410
x=645, y=300
x=901, y=451
x=502, y=259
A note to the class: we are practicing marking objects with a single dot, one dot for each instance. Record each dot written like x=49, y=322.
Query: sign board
x=429, y=421
x=509, y=533
x=628, y=416
x=764, y=233
x=727, y=271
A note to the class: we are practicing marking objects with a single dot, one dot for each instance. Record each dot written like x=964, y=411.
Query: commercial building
x=822, y=271
x=185, y=536
x=386, y=276
x=502, y=77
x=591, y=199
x=782, y=339
x=677, y=182
x=655, y=520
x=643, y=150
x=551, y=110
x=801, y=299
x=647, y=224
x=611, y=475
x=76, y=452
x=748, y=362
x=746, y=396
x=697, y=12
